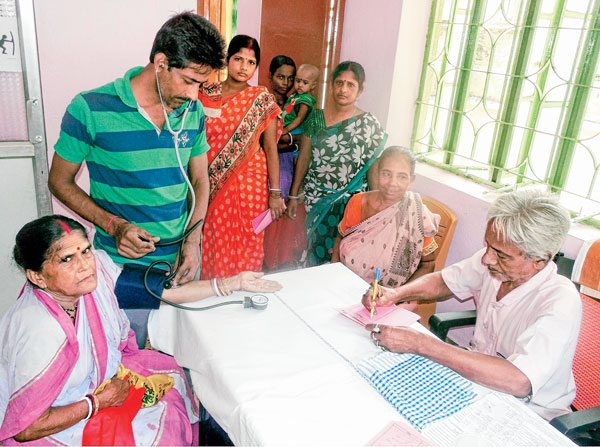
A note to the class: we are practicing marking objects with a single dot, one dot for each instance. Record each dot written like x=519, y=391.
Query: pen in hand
x=373, y=304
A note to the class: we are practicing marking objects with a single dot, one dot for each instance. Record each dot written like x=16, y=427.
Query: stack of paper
x=495, y=420
x=386, y=315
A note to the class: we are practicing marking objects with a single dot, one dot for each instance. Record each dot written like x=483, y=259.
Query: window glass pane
x=513, y=110
x=13, y=125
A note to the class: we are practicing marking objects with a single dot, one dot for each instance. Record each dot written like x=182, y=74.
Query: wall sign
x=10, y=53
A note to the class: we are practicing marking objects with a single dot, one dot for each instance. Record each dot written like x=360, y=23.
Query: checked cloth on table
x=421, y=390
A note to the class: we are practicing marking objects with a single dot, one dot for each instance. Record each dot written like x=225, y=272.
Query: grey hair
x=532, y=220
x=399, y=151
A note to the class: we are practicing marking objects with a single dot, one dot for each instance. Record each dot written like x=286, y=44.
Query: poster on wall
x=10, y=54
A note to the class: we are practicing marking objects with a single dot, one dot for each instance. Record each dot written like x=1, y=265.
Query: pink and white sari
x=391, y=240
x=47, y=361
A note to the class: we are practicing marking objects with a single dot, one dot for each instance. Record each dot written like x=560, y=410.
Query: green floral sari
x=341, y=156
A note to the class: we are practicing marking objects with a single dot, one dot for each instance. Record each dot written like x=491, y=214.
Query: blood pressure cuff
x=131, y=292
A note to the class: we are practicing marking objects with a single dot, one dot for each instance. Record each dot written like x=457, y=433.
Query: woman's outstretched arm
x=197, y=290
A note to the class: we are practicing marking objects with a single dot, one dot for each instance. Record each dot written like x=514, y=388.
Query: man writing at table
x=528, y=316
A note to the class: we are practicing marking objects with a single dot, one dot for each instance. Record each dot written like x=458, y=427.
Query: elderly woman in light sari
x=68, y=358
x=390, y=228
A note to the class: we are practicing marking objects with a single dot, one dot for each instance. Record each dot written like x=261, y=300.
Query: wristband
x=108, y=224
x=215, y=287
x=90, y=407
x=95, y=404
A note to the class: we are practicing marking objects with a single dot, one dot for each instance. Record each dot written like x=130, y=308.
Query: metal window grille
x=510, y=95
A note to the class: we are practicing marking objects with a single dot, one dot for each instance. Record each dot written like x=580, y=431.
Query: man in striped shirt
x=138, y=194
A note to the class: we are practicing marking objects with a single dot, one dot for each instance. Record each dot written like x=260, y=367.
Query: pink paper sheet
x=388, y=315
x=263, y=220
x=397, y=433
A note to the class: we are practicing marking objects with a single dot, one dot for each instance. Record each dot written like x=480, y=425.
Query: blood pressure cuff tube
x=131, y=292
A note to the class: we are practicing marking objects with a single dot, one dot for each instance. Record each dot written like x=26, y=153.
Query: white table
x=284, y=375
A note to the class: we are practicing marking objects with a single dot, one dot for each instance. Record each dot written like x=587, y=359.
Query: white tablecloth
x=282, y=376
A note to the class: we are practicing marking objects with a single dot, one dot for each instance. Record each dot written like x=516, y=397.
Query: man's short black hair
x=188, y=38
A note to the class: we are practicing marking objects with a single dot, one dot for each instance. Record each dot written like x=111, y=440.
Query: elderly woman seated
x=390, y=228
x=67, y=351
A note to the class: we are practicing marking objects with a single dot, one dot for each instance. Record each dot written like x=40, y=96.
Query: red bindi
x=78, y=248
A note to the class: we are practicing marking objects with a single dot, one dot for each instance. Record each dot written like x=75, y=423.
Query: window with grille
x=510, y=95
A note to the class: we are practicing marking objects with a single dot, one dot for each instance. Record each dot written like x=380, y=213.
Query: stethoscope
x=256, y=301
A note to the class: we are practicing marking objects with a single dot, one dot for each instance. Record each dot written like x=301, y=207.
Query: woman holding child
x=390, y=229
x=339, y=145
x=285, y=238
x=282, y=73
x=242, y=128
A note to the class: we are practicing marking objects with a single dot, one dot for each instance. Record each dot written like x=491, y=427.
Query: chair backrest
x=444, y=239
x=586, y=363
x=587, y=354
x=446, y=230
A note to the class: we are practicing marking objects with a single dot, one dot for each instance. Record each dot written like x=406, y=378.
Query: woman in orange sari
x=389, y=228
x=242, y=129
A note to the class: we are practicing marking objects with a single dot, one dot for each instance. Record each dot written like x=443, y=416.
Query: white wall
x=407, y=71
x=86, y=44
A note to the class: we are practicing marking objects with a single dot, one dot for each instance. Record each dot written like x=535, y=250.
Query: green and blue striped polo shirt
x=133, y=170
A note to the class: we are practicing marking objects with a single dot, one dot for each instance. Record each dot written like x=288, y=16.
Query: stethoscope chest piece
x=259, y=302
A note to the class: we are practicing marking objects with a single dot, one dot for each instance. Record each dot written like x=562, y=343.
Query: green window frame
x=510, y=96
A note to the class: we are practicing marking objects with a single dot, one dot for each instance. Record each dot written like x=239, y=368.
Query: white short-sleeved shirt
x=534, y=326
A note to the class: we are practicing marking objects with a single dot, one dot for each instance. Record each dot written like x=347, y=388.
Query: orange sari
x=237, y=170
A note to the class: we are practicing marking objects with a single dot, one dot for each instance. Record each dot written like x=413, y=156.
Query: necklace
x=333, y=116
x=71, y=312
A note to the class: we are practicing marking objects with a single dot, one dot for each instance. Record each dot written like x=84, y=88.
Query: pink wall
x=370, y=38
x=248, y=22
x=78, y=54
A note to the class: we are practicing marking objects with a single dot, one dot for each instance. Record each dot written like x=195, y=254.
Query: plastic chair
x=444, y=239
x=583, y=425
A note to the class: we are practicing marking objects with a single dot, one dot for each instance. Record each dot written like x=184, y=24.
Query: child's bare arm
x=301, y=115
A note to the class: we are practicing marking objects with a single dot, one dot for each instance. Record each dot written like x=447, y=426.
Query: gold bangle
x=224, y=287
x=96, y=404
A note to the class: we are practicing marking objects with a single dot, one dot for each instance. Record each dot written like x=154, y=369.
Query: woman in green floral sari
x=339, y=145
